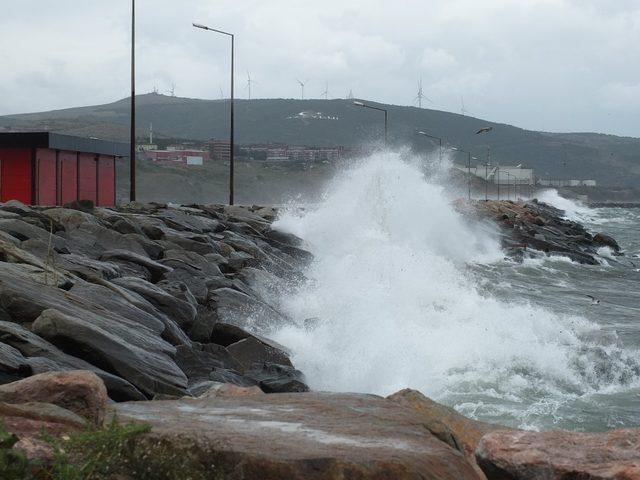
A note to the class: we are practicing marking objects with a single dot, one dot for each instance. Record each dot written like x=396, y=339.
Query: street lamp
x=469, y=157
x=132, y=120
x=231, y=156
x=361, y=104
x=486, y=181
x=439, y=142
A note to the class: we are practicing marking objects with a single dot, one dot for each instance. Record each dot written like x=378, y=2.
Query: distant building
x=44, y=168
x=566, y=183
x=503, y=174
x=177, y=157
x=220, y=150
x=298, y=153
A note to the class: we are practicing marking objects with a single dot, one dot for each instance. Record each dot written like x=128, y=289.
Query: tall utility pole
x=231, y=127
x=132, y=139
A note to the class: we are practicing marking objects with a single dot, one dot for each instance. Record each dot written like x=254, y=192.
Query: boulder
x=250, y=350
x=25, y=231
x=310, y=436
x=92, y=240
x=156, y=269
x=197, y=361
x=78, y=391
x=242, y=310
x=13, y=365
x=70, y=218
x=274, y=378
x=606, y=241
x=180, y=311
x=134, y=355
x=445, y=423
x=559, y=454
x=216, y=389
x=43, y=356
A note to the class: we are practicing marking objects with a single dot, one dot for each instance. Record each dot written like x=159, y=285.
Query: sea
x=405, y=292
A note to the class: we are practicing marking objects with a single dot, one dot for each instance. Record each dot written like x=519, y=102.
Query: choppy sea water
x=404, y=292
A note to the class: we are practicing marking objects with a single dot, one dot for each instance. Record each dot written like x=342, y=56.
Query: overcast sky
x=554, y=65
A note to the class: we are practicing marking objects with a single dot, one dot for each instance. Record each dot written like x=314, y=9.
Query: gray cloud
x=558, y=65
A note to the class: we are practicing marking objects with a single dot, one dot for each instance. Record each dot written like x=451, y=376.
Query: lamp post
x=486, y=186
x=469, y=157
x=439, y=142
x=231, y=156
x=486, y=181
x=132, y=120
x=364, y=105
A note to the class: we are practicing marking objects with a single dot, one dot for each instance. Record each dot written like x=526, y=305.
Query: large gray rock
x=13, y=365
x=151, y=371
x=93, y=240
x=276, y=378
x=240, y=309
x=181, y=311
x=250, y=350
x=43, y=356
x=156, y=269
x=25, y=231
x=70, y=218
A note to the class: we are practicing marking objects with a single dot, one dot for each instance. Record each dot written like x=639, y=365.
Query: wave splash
x=390, y=303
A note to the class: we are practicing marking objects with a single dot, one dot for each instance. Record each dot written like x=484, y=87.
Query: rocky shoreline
x=147, y=314
x=539, y=226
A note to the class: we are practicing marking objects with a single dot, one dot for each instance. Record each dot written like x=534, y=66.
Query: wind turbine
x=421, y=94
x=172, y=90
x=325, y=94
x=302, y=84
x=350, y=96
x=249, y=83
x=463, y=111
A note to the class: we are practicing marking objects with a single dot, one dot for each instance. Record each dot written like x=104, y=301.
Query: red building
x=44, y=168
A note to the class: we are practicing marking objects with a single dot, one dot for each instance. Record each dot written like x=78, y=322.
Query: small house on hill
x=45, y=168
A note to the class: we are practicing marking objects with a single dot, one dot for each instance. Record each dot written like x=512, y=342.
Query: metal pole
x=486, y=182
x=469, y=174
x=132, y=139
x=231, y=156
x=440, y=158
x=385, y=128
x=498, y=173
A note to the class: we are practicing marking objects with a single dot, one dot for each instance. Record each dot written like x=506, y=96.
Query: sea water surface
x=404, y=292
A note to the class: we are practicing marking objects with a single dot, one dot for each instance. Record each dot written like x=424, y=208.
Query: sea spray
x=390, y=303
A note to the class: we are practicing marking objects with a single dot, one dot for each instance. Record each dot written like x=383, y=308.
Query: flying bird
x=484, y=130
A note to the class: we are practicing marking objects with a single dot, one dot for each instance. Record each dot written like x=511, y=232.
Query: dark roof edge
x=60, y=141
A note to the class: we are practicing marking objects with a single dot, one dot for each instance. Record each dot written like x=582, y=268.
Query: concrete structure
x=566, y=183
x=44, y=168
x=502, y=174
x=174, y=156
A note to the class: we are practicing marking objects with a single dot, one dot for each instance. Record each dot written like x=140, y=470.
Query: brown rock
x=559, y=454
x=79, y=391
x=445, y=423
x=308, y=436
x=231, y=390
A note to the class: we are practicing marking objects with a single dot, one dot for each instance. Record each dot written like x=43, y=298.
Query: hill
x=609, y=159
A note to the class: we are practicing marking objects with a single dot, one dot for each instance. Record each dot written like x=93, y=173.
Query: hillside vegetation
x=609, y=159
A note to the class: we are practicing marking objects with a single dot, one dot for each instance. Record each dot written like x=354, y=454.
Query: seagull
x=484, y=130
x=594, y=300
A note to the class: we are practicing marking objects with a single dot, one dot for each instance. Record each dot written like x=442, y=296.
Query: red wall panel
x=68, y=177
x=46, y=193
x=88, y=171
x=15, y=174
x=106, y=180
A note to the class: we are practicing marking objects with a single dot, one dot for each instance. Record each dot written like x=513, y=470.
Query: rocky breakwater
x=539, y=226
x=156, y=300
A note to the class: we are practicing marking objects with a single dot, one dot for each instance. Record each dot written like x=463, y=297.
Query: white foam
x=398, y=308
